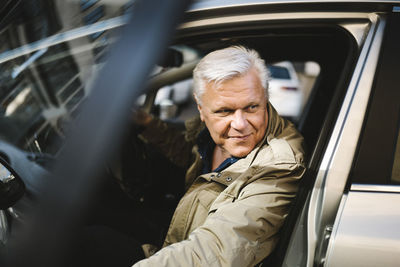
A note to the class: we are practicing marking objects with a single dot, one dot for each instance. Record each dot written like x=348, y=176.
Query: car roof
x=212, y=4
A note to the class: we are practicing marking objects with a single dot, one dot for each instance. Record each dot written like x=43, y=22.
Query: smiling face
x=235, y=114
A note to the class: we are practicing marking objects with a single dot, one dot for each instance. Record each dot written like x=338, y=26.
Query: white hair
x=225, y=64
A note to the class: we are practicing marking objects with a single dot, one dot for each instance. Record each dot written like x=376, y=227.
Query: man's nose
x=239, y=121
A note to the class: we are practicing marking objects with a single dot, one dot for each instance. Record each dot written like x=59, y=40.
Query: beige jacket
x=230, y=218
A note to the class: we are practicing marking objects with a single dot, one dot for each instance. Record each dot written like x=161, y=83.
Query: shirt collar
x=206, y=147
x=206, y=144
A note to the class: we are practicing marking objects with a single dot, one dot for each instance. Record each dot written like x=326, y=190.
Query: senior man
x=243, y=166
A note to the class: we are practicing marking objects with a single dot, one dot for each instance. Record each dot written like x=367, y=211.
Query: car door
x=347, y=47
x=366, y=230
x=350, y=219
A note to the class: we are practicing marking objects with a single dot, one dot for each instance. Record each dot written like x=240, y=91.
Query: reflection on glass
x=5, y=174
x=48, y=60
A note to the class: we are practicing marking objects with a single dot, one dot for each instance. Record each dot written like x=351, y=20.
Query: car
x=68, y=90
x=285, y=92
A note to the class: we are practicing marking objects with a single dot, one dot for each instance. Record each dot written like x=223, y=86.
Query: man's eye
x=252, y=107
x=224, y=111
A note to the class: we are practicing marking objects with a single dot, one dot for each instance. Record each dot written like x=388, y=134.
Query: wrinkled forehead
x=239, y=88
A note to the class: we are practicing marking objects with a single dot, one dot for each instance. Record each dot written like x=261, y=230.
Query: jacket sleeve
x=240, y=232
x=170, y=141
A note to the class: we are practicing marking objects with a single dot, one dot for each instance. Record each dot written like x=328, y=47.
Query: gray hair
x=225, y=64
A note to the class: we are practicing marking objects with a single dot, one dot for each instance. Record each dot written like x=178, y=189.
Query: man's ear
x=199, y=108
x=201, y=112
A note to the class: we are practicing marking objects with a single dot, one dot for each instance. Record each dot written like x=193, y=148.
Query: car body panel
x=365, y=232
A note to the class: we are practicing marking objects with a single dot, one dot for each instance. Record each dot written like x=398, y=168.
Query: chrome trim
x=336, y=163
x=276, y=17
x=4, y=228
x=375, y=188
x=214, y=4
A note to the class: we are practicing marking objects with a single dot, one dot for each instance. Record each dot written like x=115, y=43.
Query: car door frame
x=365, y=232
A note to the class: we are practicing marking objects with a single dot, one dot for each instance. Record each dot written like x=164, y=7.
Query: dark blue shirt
x=206, y=148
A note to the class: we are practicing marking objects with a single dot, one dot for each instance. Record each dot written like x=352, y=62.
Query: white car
x=285, y=91
x=179, y=93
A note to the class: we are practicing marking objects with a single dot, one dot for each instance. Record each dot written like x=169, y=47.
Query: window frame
x=376, y=151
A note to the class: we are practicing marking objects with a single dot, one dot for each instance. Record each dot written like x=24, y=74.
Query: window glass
x=39, y=91
x=377, y=160
x=277, y=72
x=43, y=82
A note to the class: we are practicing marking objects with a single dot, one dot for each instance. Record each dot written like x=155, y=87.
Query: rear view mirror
x=12, y=187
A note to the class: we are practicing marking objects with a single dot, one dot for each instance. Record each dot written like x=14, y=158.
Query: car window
x=377, y=161
x=38, y=93
x=47, y=66
x=277, y=72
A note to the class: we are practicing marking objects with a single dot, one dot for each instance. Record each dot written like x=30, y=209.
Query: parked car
x=285, y=92
x=346, y=212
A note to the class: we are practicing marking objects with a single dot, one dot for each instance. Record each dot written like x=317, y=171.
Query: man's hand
x=141, y=117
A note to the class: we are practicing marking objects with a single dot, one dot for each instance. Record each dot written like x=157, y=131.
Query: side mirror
x=12, y=187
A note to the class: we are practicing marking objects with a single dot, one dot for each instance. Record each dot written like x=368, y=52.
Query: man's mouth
x=239, y=137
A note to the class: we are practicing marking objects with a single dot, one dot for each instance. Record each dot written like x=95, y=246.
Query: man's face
x=235, y=114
